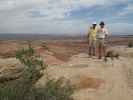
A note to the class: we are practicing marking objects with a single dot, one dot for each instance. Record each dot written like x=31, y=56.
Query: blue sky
x=65, y=16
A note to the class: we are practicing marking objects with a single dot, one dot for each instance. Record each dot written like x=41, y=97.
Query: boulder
x=10, y=69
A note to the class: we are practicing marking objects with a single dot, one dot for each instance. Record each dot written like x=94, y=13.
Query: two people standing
x=96, y=36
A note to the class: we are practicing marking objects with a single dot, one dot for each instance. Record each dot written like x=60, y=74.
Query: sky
x=65, y=16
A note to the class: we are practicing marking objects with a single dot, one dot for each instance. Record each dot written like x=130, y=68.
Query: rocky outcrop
x=10, y=69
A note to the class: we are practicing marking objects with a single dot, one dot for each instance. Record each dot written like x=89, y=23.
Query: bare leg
x=94, y=51
x=104, y=51
x=94, y=48
x=90, y=47
x=90, y=51
x=99, y=52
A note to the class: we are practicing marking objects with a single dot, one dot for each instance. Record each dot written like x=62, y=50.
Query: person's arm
x=88, y=34
x=106, y=33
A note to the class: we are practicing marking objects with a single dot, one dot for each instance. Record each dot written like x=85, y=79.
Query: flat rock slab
x=10, y=69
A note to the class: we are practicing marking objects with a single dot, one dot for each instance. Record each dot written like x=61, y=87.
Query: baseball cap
x=102, y=23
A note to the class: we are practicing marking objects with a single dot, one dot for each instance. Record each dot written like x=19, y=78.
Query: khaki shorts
x=101, y=42
x=92, y=42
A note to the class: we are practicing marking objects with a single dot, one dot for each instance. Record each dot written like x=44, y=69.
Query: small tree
x=34, y=64
x=24, y=89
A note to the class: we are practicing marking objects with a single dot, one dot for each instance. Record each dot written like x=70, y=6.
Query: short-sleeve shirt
x=102, y=32
x=92, y=33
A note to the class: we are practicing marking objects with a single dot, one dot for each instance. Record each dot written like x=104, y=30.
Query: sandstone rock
x=10, y=69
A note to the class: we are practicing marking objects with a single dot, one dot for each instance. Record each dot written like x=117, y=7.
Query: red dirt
x=48, y=57
x=87, y=82
x=59, y=51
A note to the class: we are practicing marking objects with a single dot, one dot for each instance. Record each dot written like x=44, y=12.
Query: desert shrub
x=130, y=44
x=34, y=64
x=16, y=91
x=6, y=93
x=24, y=88
x=55, y=90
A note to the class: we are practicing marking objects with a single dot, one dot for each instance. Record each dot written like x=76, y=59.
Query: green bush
x=34, y=64
x=130, y=44
x=55, y=90
x=16, y=91
x=24, y=88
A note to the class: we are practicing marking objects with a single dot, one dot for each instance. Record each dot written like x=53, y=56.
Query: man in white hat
x=92, y=39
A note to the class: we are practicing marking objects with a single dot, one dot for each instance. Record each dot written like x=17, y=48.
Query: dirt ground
x=94, y=79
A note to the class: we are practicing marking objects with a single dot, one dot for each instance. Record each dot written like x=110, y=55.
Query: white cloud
x=18, y=15
x=6, y=4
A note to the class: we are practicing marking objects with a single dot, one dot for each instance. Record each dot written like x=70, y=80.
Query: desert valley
x=93, y=79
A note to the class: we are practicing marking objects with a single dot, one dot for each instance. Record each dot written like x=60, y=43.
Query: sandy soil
x=96, y=79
